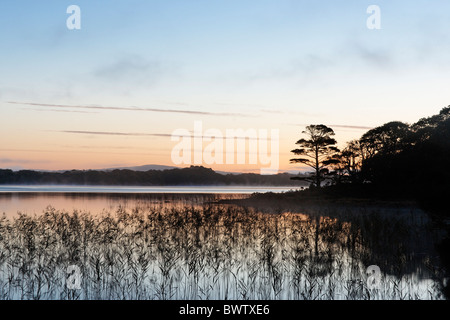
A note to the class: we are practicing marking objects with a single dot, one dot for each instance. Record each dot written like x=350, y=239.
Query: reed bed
x=213, y=251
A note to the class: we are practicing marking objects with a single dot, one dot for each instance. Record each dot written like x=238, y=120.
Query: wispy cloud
x=129, y=67
x=26, y=150
x=305, y=67
x=25, y=161
x=131, y=70
x=105, y=133
x=105, y=147
x=164, y=135
x=379, y=58
x=289, y=112
x=56, y=110
x=97, y=107
x=343, y=126
x=21, y=161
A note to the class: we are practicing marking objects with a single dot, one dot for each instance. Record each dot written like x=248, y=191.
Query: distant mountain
x=154, y=167
x=142, y=168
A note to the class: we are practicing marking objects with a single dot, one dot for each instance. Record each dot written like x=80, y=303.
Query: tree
x=347, y=163
x=316, y=151
x=387, y=139
x=383, y=145
x=409, y=157
x=423, y=129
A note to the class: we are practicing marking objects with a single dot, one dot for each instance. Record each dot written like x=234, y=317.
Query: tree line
x=397, y=157
x=195, y=175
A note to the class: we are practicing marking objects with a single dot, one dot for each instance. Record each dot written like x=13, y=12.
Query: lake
x=34, y=199
x=162, y=243
x=152, y=189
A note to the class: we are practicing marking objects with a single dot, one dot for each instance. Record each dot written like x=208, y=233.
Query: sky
x=112, y=93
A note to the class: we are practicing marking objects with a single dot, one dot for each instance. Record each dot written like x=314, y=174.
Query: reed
x=211, y=251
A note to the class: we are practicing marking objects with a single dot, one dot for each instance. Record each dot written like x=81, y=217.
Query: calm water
x=163, y=189
x=35, y=199
x=140, y=245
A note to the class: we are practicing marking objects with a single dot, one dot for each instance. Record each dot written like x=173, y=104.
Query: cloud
x=25, y=150
x=376, y=57
x=305, y=67
x=343, y=126
x=6, y=160
x=310, y=68
x=107, y=147
x=350, y=126
x=55, y=110
x=132, y=69
x=22, y=161
x=290, y=112
x=165, y=135
x=116, y=133
x=97, y=107
x=130, y=73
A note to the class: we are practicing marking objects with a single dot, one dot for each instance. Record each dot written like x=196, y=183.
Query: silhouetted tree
x=346, y=164
x=423, y=129
x=389, y=138
x=316, y=151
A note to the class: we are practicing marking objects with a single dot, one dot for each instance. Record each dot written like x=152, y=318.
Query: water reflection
x=36, y=202
x=189, y=247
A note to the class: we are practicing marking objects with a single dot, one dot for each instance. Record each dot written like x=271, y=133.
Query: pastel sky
x=111, y=93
